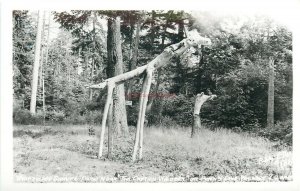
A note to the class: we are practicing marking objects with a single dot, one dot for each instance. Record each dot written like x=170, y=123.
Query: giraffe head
x=212, y=96
x=195, y=39
x=206, y=97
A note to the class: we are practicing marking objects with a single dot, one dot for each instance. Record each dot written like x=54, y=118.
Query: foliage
x=23, y=52
x=23, y=116
x=90, y=117
x=132, y=114
x=180, y=108
x=241, y=98
x=55, y=116
x=282, y=132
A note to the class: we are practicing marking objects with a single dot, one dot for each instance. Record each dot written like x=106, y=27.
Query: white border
x=285, y=11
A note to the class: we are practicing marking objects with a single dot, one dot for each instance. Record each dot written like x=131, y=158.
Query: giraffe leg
x=141, y=116
x=144, y=106
x=137, y=139
x=138, y=127
x=110, y=130
x=110, y=88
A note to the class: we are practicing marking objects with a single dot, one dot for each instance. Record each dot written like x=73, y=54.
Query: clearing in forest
x=67, y=153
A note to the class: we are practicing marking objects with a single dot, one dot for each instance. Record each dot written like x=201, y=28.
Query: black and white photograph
x=151, y=96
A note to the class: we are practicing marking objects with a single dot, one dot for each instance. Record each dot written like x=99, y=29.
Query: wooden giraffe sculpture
x=193, y=39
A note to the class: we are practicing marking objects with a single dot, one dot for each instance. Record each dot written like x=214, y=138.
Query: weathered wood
x=196, y=124
x=142, y=110
x=138, y=127
x=138, y=146
x=159, y=61
x=194, y=39
x=121, y=78
x=110, y=88
x=199, y=101
x=110, y=130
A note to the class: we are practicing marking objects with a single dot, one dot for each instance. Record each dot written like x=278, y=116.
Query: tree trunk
x=155, y=94
x=158, y=80
x=94, y=45
x=199, y=101
x=68, y=68
x=133, y=61
x=114, y=68
x=110, y=130
x=40, y=83
x=46, y=61
x=91, y=94
x=44, y=104
x=200, y=72
x=36, y=64
x=196, y=125
x=270, y=115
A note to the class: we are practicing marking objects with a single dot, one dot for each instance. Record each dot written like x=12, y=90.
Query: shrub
x=55, y=116
x=132, y=113
x=24, y=117
x=167, y=121
x=93, y=116
x=281, y=132
x=75, y=119
x=154, y=118
x=89, y=117
x=180, y=109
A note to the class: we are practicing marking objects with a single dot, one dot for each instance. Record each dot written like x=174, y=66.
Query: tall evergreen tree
x=115, y=67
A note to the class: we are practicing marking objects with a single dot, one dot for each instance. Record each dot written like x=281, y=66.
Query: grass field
x=66, y=153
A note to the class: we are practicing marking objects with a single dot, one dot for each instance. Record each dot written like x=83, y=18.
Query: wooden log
x=110, y=89
x=110, y=130
x=138, y=145
x=161, y=60
x=138, y=127
x=199, y=101
x=196, y=124
x=144, y=107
